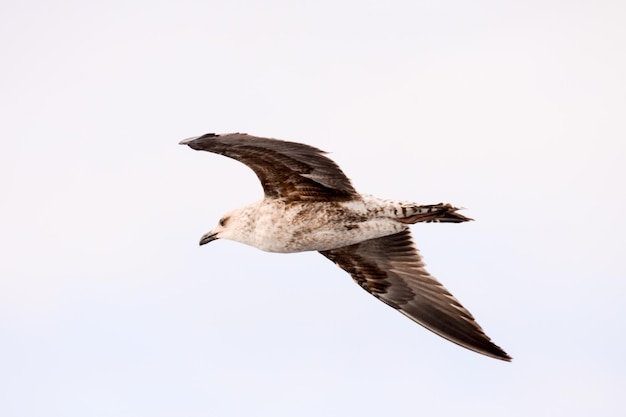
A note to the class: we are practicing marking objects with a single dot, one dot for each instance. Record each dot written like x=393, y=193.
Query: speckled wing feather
x=391, y=269
x=287, y=170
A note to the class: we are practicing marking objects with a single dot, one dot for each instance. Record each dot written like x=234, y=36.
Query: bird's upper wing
x=391, y=269
x=287, y=170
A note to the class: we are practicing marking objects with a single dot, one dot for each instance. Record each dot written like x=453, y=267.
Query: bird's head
x=233, y=226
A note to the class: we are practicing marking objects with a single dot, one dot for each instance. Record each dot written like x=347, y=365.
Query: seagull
x=310, y=205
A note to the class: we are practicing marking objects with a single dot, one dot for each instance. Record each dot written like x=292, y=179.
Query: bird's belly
x=301, y=239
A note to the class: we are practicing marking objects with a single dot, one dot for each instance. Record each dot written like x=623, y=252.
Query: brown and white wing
x=287, y=170
x=391, y=269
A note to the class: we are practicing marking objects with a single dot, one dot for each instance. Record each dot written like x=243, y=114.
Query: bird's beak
x=208, y=237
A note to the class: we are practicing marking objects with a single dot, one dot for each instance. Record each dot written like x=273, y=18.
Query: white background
x=108, y=307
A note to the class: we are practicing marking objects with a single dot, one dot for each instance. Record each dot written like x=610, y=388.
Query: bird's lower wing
x=391, y=269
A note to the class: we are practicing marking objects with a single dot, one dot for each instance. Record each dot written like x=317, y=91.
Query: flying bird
x=310, y=205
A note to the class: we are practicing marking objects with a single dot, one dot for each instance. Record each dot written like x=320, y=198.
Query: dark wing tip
x=496, y=352
x=196, y=139
x=473, y=338
x=188, y=141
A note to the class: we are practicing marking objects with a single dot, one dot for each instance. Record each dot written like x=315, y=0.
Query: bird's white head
x=234, y=225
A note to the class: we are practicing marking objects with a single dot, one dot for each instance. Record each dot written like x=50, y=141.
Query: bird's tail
x=433, y=213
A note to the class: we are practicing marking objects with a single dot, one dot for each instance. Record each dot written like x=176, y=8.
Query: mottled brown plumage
x=391, y=269
x=287, y=170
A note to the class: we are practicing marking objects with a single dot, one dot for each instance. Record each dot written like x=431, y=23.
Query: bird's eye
x=223, y=221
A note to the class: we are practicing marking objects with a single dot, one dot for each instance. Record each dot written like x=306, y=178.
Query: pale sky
x=108, y=307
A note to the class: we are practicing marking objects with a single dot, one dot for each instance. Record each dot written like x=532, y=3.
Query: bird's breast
x=313, y=226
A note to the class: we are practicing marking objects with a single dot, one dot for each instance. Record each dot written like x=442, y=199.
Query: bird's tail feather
x=434, y=213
